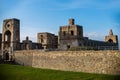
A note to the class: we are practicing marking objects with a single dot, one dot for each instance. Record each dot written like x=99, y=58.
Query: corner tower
x=10, y=37
x=111, y=37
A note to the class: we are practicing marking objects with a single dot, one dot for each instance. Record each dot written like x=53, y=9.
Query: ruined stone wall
x=0, y=52
x=24, y=58
x=106, y=62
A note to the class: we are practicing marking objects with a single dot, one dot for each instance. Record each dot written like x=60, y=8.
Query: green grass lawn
x=15, y=72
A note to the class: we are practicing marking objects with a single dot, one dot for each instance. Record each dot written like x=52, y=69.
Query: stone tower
x=69, y=35
x=111, y=37
x=71, y=21
x=10, y=37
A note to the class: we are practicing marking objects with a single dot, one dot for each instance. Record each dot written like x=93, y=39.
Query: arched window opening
x=110, y=40
x=41, y=35
x=7, y=38
x=72, y=33
x=68, y=46
x=7, y=56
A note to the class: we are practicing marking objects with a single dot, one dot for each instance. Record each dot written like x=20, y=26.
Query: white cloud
x=94, y=35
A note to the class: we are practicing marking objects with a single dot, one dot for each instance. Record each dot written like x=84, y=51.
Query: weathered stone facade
x=48, y=40
x=71, y=36
x=105, y=62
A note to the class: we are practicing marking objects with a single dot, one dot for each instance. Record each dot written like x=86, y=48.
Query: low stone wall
x=106, y=62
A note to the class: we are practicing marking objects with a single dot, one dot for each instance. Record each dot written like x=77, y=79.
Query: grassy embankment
x=15, y=72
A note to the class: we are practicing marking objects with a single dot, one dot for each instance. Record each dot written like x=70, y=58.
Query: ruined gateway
x=69, y=36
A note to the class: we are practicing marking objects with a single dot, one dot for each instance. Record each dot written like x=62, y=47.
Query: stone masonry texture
x=105, y=62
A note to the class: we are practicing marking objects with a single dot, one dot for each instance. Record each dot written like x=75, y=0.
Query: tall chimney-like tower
x=110, y=33
x=71, y=21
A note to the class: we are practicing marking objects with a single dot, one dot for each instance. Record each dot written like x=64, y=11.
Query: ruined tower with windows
x=69, y=35
x=10, y=37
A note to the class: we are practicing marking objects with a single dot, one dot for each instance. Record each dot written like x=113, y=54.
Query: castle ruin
x=69, y=36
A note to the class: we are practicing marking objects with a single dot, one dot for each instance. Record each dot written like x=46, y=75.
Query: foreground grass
x=15, y=72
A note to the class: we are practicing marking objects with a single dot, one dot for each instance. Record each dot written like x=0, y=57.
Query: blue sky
x=96, y=16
